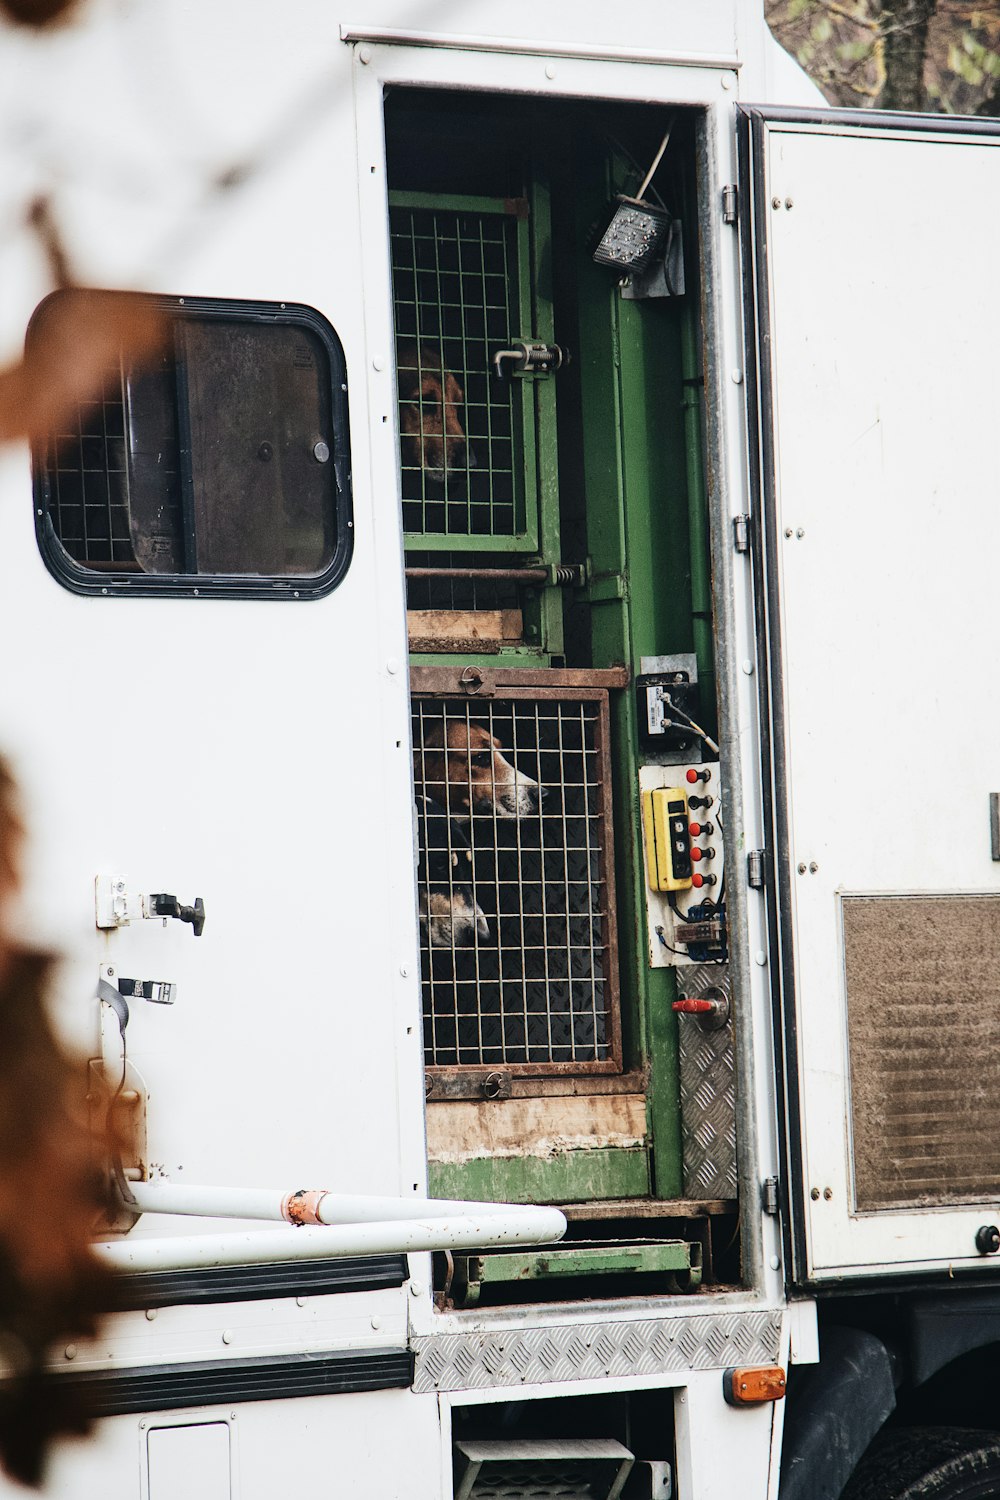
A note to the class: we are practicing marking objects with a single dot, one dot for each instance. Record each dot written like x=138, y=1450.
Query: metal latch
x=529, y=357
x=116, y=905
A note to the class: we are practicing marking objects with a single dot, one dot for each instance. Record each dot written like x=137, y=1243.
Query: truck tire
x=929, y=1463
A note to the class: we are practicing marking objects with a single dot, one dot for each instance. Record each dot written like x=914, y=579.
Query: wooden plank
x=462, y=625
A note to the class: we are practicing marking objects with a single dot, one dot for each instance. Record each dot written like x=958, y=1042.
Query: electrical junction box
x=666, y=697
x=684, y=865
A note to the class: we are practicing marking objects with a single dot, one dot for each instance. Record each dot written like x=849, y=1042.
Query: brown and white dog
x=432, y=438
x=466, y=770
x=449, y=911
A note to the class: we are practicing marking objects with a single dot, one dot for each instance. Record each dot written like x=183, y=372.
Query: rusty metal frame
x=527, y=685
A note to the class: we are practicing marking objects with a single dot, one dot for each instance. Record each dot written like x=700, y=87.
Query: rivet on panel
x=789, y=203
x=800, y=533
x=227, y=1337
x=788, y=531
x=775, y=202
x=70, y=1351
x=828, y=1194
x=550, y=70
x=737, y=377
x=416, y=1288
x=726, y=80
x=774, y=1262
x=364, y=54
x=760, y=958
x=151, y=1314
x=814, y=1194
x=813, y=867
x=802, y=868
x=300, y=1302
x=748, y=667
x=376, y=1321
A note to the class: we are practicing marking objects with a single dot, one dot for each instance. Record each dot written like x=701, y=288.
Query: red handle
x=693, y=1007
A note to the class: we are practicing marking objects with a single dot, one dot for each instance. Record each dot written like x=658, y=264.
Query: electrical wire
x=681, y=952
x=690, y=723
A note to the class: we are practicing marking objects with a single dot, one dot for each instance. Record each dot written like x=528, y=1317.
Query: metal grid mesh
x=515, y=858
x=86, y=467
x=455, y=277
x=458, y=592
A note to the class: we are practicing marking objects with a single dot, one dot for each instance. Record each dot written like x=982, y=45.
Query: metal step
x=542, y=1469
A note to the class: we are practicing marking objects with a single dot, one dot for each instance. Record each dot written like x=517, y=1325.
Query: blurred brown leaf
x=52, y=1191
x=37, y=13
x=74, y=338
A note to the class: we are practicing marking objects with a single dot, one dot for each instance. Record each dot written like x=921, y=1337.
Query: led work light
x=638, y=230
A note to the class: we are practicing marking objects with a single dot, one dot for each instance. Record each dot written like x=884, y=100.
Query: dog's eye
x=481, y=758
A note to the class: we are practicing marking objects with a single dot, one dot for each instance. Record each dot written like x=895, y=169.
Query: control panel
x=682, y=852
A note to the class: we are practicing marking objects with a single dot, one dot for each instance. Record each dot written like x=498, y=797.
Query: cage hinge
x=756, y=860
x=730, y=203
x=741, y=533
x=769, y=1197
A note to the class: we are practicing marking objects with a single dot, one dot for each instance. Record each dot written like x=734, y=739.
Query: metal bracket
x=467, y=1084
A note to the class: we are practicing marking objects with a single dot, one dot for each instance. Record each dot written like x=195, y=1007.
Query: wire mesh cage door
x=516, y=881
x=462, y=292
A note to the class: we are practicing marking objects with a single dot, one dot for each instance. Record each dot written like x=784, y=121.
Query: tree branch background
x=926, y=55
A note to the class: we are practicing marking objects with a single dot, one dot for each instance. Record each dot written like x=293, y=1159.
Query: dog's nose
x=482, y=926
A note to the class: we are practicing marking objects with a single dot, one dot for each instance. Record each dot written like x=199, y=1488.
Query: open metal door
x=874, y=324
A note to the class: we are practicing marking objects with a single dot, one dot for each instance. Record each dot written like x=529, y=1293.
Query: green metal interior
x=614, y=482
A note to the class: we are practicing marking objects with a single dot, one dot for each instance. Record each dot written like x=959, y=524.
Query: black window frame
x=106, y=583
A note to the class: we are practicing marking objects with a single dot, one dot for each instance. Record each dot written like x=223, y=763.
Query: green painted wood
x=567, y=1177
x=642, y=1256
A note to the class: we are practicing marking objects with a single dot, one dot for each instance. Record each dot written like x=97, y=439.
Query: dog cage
x=514, y=822
x=460, y=271
x=477, y=427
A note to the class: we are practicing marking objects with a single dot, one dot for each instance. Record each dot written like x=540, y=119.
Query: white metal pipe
x=326, y=1208
x=518, y=1226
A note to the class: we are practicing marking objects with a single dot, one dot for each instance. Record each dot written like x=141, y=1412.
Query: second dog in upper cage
x=463, y=766
x=449, y=911
x=432, y=438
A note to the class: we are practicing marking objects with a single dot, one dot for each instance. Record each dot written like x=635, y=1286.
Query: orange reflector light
x=750, y=1384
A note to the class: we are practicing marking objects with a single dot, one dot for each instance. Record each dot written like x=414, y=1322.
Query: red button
x=694, y=830
x=693, y=776
x=697, y=853
x=697, y=880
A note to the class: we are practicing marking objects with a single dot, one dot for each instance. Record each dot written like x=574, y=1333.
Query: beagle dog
x=449, y=912
x=463, y=766
x=432, y=438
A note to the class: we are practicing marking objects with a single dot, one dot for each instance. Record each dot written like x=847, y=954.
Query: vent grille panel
x=923, y=1010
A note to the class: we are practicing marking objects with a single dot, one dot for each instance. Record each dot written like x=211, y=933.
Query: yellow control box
x=668, y=838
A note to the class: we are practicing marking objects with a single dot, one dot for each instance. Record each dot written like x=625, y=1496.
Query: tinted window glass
x=223, y=458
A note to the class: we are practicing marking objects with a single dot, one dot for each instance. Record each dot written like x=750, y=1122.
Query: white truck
x=480, y=699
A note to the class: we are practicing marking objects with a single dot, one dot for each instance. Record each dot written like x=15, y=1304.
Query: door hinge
x=741, y=533
x=755, y=869
x=769, y=1201
x=730, y=203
